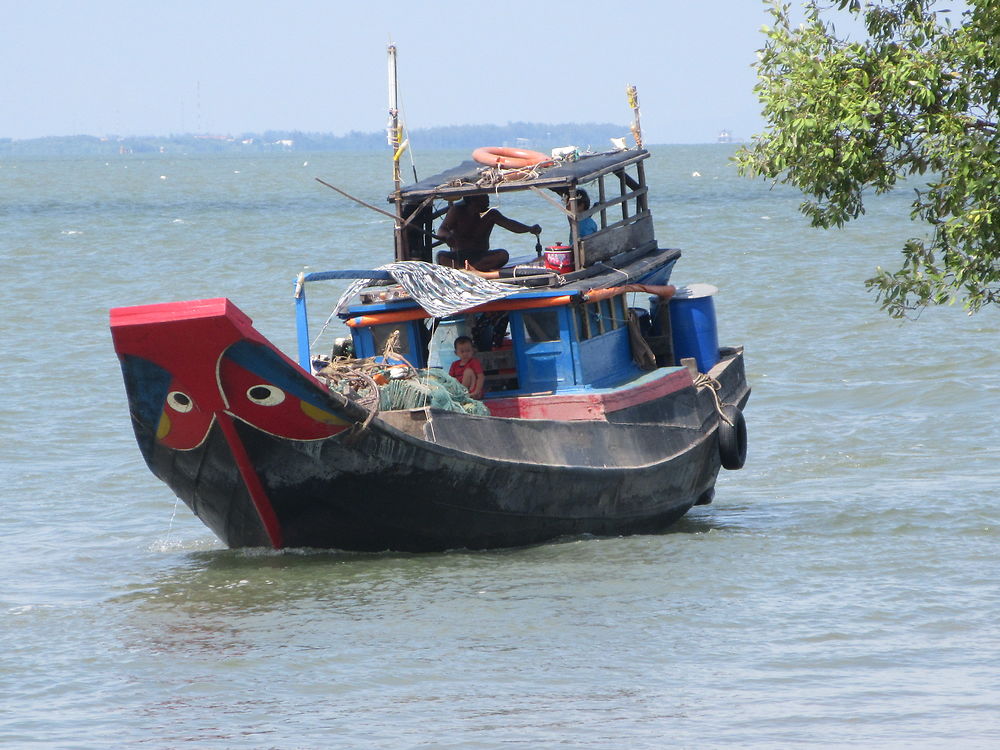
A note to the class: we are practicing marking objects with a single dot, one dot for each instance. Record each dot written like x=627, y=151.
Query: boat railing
x=403, y=309
x=301, y=312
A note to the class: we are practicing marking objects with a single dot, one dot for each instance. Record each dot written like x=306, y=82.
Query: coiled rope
x=706, y=381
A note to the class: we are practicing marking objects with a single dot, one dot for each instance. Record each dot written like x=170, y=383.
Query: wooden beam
x=417, y=210
x=591, y=176
x=554, y=202
x=621, y=181
x=605, y=204
x=642, y=202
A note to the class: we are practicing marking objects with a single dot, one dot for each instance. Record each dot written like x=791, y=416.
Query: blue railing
x=301, y=316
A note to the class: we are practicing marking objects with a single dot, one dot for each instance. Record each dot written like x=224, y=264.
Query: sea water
x=840, y=591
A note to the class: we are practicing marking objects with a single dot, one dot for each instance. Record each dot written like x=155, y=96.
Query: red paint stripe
x=252, y=482
x=622, y=399
x=588, y=406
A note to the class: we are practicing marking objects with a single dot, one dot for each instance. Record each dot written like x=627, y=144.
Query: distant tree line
x=540, y=136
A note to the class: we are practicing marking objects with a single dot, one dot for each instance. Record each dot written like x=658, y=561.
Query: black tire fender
x=732, y=438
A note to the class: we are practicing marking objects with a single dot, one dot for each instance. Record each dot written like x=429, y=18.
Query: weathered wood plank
x=636, y=195
x=617, y=238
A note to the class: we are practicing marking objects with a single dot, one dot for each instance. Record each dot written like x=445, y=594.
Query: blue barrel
x=692, y=324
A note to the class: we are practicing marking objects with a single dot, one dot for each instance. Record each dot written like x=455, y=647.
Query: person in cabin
x=583, y=226
x=468, y=370
x=467, y=227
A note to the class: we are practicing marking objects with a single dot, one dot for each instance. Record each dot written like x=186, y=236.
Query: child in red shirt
x=468, y=370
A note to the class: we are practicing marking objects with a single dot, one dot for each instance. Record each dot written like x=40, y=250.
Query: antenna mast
x=394, y=130
x=395, y=138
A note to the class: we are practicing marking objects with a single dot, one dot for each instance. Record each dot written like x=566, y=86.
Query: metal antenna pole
x=397, y=149
x=394, y=134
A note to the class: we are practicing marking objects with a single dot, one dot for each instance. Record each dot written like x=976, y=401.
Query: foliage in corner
x=915, y=100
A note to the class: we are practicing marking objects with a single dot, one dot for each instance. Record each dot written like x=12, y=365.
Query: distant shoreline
x=539, y=136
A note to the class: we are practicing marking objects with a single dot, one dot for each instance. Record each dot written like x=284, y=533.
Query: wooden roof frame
x=414, y=203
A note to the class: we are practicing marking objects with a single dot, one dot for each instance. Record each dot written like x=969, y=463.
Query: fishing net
x=382, y=387
x=433, y=388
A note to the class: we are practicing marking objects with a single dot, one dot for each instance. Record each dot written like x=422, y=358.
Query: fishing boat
x=609, y=406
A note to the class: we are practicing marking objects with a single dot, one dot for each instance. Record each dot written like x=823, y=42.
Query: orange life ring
x=508, y=158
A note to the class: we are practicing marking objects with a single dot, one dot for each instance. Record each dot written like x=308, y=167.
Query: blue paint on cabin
x=567, y=349
x=542, y=348
x=556, y=350
x=607, y=359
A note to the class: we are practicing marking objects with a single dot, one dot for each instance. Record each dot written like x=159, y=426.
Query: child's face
x=464, y=350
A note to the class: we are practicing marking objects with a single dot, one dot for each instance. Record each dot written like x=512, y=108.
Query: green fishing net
x=433, y=388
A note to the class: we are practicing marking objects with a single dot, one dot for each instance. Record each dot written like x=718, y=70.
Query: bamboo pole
x=633, y=102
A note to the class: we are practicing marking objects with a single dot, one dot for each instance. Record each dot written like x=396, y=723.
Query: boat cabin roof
x=619, y=206
x=465, y=178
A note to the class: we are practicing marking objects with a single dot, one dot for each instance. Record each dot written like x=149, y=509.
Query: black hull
x=586, y=435
x=440, y=484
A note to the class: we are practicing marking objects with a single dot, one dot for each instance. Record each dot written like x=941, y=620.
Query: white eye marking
x=265, y=395
x=180, y=402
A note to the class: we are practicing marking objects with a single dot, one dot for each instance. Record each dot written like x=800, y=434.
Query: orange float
x=509, y=158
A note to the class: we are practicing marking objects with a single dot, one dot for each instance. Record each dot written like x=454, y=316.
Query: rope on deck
x=706, y=381
x=390, y=386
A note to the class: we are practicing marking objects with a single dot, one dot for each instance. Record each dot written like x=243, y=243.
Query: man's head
x=478, y=202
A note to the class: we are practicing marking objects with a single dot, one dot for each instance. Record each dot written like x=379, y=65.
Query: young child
x=468, y=370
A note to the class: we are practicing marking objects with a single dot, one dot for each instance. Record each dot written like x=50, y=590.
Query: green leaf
x=919, y=96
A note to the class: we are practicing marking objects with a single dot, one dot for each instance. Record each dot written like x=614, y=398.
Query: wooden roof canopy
x=585, y=169
x=414, y=203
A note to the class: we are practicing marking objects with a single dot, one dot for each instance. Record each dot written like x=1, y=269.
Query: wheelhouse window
x=541, y=325
x=381, y=334
x=596, y=318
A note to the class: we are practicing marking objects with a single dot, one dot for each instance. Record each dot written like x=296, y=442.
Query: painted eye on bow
x=265, y=395
x=180, y=402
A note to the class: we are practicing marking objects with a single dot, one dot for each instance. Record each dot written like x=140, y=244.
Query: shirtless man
x=466, y=228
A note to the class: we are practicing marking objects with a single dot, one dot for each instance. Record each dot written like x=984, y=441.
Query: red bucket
x=559, y=258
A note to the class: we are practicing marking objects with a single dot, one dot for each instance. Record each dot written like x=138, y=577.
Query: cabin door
x=541, y=341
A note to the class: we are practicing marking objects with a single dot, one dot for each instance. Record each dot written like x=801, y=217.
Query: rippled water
x=841, y=591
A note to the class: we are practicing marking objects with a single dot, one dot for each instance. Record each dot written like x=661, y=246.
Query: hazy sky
x=139, y=67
